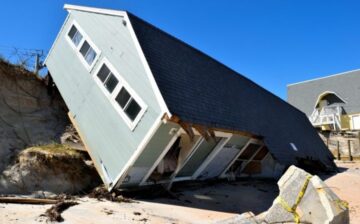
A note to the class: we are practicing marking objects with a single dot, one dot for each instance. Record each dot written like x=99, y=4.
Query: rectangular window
x=107, y=78
x=125, y=101
x=128, y=104
x=88, y=53
x=75, y=35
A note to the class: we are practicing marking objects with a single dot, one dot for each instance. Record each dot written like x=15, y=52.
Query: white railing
x=327, y=116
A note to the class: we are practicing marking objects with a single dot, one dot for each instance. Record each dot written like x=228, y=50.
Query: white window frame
x=77, y=48
x=111, y=96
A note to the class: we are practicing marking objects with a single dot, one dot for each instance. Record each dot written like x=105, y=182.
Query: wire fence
x=30, y=59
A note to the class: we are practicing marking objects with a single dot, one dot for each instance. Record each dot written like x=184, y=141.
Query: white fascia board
x=148, y=71
x=57, y=37
x=325, y=77
x=156, y=125
x=95, y=10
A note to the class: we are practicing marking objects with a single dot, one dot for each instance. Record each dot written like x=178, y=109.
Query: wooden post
x=36, y=65
x=338, y=150
x=349, y=148
x=327, y=142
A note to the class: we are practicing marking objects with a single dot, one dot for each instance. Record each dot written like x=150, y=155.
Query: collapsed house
x=152, y=109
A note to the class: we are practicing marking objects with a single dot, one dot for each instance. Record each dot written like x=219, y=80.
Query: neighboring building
x=332, y=103
x=152, y=109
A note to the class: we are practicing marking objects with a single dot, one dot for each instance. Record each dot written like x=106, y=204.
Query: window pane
x=133, y=109
x=123, y=97
x=72, y=32
x=77, y=38
x=84, y=48
x=111, y=83
x=103, y=73
x=90, y=56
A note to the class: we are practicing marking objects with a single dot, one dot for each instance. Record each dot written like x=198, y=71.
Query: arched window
x=328, y=98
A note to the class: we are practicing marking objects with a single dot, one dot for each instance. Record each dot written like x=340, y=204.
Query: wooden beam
x=211, y=130
x=37, y=201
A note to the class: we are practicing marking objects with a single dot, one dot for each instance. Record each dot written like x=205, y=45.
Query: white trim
x=329, y=76
x=57, y=38
x=194, y=148
x=251, y=158
x=111, y=97
x=148, y=71
x=138, y=152
x=251, y=140
x=162, y=155
x=321, y=95
x=95, y=10
x=77, y=48
x=212, y=155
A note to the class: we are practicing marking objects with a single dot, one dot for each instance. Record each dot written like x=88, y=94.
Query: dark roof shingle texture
x=203, y=91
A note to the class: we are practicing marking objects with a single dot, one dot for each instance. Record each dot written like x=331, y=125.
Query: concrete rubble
x=305, y=198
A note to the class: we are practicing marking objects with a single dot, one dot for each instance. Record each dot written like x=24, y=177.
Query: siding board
x=107, y=135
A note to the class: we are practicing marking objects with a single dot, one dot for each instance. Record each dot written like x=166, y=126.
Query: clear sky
x=274, y=43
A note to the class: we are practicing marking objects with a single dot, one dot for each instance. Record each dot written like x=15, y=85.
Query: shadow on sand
x=233, y=197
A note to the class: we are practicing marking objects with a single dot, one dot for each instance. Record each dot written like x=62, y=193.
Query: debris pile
x=305, y=198
x=101, y=193
x=54, y=168
x=54, y=213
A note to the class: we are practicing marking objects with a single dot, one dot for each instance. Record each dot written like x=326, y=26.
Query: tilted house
x=332, y=103
x=152, y=109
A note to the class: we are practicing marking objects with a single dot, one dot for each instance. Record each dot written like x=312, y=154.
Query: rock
x=306, y=199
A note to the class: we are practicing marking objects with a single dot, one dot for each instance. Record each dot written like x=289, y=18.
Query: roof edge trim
x=148, y=71
x=325, y=77
x=95, y=10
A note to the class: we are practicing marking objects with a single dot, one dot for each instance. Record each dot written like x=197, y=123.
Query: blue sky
x=274, y=43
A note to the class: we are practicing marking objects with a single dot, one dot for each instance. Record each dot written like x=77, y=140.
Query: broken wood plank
x=17, y=200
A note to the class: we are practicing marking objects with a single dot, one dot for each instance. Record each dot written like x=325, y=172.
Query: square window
x=88, y=52
x=132, y=109
x=123, y=97
x=111, y=83
x=103, y=73
x=75, y=36
x=84, y=48
x=90, y=56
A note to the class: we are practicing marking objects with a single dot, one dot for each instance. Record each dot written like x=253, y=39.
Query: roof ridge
x=104, y=11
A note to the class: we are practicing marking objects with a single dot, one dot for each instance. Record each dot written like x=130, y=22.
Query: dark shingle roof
x=203, y=91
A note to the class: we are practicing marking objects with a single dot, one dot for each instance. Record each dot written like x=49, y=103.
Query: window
x=128, y=104
x=107, y=78
x=124, y=99
x=75, y=36
x=83, y=46
x=88, y=53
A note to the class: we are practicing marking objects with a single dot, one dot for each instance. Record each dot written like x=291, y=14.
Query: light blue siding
x=151, y=153
x=108, y=137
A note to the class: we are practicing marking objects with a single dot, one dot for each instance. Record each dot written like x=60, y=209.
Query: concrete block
x=306, y=199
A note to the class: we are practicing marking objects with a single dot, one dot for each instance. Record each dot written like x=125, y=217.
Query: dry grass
x=51, y=150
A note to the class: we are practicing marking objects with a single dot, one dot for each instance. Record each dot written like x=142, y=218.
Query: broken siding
x=109, y=138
